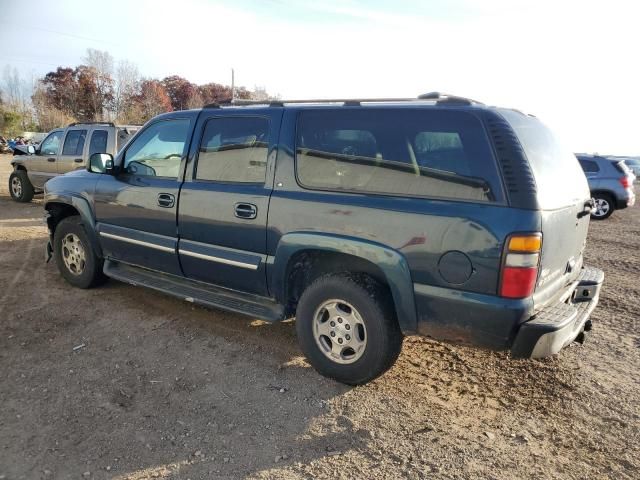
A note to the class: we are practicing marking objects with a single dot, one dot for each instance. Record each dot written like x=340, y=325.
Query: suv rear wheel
x=603, y=206
x=20, y=187
x=75, y=258
x=347, y=328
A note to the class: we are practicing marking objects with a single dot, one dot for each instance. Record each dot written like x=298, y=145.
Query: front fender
x=392, y=263
x=82, y=206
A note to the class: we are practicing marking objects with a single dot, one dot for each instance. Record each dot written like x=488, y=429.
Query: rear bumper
x=553, y=328
x=629, y=200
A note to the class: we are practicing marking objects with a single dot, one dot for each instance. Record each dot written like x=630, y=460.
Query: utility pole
x=233, y=85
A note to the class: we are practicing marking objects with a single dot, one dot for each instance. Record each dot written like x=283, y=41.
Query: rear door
x=563, y=196
x=225, y=198
x=72, y=155
x=136, y=209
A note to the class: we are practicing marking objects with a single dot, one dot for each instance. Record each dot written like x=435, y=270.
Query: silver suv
x=610, y=182
x=62, y=151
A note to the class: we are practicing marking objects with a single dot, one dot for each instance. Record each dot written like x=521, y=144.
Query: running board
x=196, y=292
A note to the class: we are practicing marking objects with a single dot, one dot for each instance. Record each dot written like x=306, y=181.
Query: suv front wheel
x=75, y=258
x=347, y=328
x=20, y=187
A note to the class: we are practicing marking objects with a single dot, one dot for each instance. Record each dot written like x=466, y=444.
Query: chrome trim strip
x=211, y=258
x=137, y=242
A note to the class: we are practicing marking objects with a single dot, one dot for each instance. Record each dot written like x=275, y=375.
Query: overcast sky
x=573, y=64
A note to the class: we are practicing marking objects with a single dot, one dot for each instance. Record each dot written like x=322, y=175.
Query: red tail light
x=520, y=268
x=625, y=182
x=518, y=282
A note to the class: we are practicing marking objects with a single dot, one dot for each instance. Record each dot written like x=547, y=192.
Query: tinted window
x=98, y=143
x=409, y=152
x=589, y=165
x=74, y=142
x=234, y=149
x=158, y=150
x=559, y=179
x=51, y=144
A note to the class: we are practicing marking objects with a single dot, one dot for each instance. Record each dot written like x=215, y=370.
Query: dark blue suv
x=367, y=220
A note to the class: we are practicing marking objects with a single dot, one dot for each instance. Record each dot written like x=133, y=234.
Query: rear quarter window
x=405, y=152
x=560, y=180
x=589, y=166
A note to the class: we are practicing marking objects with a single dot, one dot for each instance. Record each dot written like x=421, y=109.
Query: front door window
x=158, y=150
x=51, y=144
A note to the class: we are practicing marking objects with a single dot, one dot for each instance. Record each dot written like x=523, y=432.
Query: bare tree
x=102, y=64
x=17, y=95
x=127, y=79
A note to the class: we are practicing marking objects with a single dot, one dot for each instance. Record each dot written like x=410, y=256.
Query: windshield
x=559, y=178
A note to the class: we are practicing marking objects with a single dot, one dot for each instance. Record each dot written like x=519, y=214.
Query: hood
x=79, y=182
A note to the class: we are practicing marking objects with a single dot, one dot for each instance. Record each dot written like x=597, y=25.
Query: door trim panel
x=137, y=237
x=215, y=253
x=136, y=242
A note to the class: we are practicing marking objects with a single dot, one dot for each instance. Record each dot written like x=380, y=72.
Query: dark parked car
x=367, y=220
x=610, y=182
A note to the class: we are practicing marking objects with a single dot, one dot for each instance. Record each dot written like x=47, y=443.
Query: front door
x=225, y=198
x=136, y=209
x=42, y=166
x=71, y=158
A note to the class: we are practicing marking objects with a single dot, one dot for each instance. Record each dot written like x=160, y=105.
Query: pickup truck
x=63, y=150
x=366, y=220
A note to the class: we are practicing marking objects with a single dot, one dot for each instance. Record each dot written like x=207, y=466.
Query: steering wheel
x=172, y=155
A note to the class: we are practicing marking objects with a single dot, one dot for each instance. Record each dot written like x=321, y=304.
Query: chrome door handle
x=51, y=159
x=246, y=210
x=78, y=160
x=166, y=200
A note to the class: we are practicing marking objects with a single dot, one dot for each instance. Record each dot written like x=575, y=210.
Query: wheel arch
x=59, y=207
x=603, y=191
x=302, y=257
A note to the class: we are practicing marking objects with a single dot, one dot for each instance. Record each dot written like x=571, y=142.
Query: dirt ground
x=125, y=383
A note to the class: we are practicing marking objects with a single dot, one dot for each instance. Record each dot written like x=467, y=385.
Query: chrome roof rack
x=110, y=124
x=439, y=98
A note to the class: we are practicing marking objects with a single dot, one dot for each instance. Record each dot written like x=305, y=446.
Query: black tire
x=20, y=187
x=70, y=233
x=602, y=200
x=373, y=304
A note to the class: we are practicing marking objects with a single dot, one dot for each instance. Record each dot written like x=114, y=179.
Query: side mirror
x=31, y=149
x=101, y=163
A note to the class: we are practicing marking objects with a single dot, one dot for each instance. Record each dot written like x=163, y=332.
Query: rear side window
x=559, y=178
x=98, y=143
x=234, y=149
x=589, y=166
x=408, y=152
x=74, y=142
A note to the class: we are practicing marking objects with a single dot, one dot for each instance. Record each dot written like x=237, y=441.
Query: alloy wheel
x=73, y=254
x=339, y=331
x=601, y=207
x=16, y=187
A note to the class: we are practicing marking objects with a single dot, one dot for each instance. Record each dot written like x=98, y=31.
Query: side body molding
x=81, y=204
x=393, y=265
